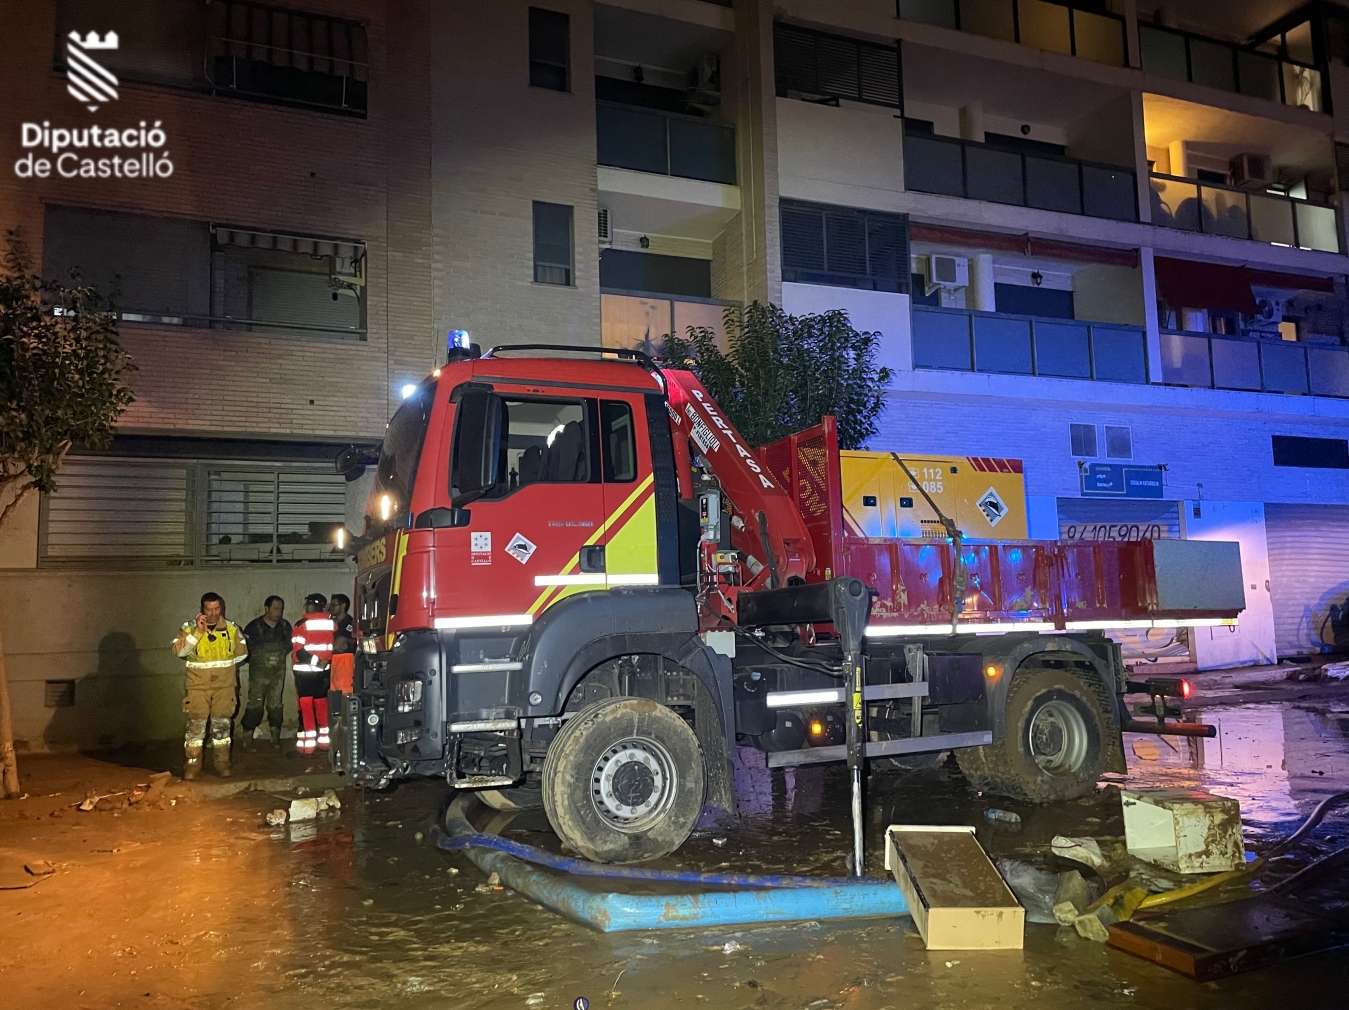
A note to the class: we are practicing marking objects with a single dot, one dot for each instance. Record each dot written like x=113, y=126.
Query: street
x=197, y=903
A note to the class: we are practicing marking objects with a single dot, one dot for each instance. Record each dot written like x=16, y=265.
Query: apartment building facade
x=1101, y=239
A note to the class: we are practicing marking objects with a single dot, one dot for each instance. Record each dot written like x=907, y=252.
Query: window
x=843, y=247
x=176, y=512
x=159, y=42
x=1318, y=453
x=552, y=243
x=620, y=442
x=549, y=50
x=1084, y=439
x=402, y=448
x=546, y=443
x=813, y=65
x=158, y=268
x=265, y=282
x=1118, y=442
x=280, y=55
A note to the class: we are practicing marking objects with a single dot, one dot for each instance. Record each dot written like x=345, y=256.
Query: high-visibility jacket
x=212, y=649
x=312, y=640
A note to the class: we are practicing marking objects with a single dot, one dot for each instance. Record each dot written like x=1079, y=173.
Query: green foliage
x=61, y=375
x=783, y=373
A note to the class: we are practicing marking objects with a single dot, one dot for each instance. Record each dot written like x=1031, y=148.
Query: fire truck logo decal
x=87, y=80
x=520, y=549
x=480, y=548
x=992, y=506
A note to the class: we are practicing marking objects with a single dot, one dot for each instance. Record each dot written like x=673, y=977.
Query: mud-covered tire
x=1054, y=747
x=623, y=781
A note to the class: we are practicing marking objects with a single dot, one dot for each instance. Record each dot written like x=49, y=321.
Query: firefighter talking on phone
x=212, y=645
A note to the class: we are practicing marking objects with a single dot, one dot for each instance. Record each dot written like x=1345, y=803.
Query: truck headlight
x=407, y=695
x=409, y=735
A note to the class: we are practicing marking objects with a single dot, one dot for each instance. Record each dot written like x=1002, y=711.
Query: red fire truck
x=577, y=582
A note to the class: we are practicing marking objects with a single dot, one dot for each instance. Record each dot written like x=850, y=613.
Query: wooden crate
x=957, y=898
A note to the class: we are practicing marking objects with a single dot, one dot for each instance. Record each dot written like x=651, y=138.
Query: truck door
x=527, y=467
x=630, y=537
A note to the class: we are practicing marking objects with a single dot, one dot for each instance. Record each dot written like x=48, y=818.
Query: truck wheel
x=1054, y=746
x=623, y=781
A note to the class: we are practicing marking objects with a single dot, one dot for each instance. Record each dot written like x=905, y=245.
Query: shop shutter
x=1308, y=572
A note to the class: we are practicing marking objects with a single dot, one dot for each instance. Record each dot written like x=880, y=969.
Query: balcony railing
x=1058, y=28
x=1023, y=345
x=963, y=168
x=1220, y=362
x=1186, y=57
x=1189, y=205
x=646, y=140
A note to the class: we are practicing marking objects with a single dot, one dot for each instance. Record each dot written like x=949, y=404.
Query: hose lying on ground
x=1254, y=869
x=823, y=898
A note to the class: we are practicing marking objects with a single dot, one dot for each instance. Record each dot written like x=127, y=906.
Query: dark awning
x=1190, y=284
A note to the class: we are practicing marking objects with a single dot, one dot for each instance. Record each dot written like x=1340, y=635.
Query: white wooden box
x=1186, y=830
x=957, y=898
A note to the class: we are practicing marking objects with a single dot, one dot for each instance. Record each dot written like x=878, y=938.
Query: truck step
x=881, y=748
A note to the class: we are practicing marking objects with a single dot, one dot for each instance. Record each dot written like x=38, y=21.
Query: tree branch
x=18, y=497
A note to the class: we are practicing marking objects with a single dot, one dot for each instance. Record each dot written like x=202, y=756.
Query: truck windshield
x=403, y=447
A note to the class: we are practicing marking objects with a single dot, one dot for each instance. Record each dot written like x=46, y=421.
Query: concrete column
x=1141, y=157
x=1129, y=9
x=1150, y=323
x=1180, y=157
x=981, y=296
x=972, y=122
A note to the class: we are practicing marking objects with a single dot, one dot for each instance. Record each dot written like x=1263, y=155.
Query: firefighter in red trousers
x=310, y=661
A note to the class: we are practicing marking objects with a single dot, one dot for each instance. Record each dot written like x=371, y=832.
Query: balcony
x=1056, y=28
x=1208, y=361
x=951, y=167
x=1024, y=345
x=1182, y=56
x=1188, y=205
x=665, y=143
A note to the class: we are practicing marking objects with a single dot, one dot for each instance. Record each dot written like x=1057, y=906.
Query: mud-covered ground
x=199, y=904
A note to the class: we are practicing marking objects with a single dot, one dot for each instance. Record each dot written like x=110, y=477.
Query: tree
x=61, y=384
x=782, y=373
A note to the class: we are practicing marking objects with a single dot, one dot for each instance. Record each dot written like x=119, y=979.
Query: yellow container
x=986, y=496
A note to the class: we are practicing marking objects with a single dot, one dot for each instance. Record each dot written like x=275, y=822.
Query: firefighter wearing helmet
x=310, y=661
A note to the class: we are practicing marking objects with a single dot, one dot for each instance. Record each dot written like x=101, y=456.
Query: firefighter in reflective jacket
x=212, y=645
x=313, y=642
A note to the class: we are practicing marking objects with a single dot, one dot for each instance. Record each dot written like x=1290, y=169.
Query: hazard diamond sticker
x=992, y=506
x=520, y=549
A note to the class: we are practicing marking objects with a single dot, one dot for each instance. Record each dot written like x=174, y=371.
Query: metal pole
x=851, y=604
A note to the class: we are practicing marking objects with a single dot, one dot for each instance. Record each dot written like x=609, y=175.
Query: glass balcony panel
x=993, y=175
x=933, y=166
x=1045, y=26
x=1212, y=64
x=1109, y=193
x=1062, y=349
x=1329, y=370
x=1225, y=213
x=1185, y=360
x=630, y=321
x=1285, y=367
x=1119, y=354
x=1002, y=344
x=990, y=18
x=1258, y=75
x=1163, y=53
x=941, y=13
x=1052, y=185
x=1099, y=38
x=941, y=339
x=1316, y=227
x=1302, y=86
x=1236, y=364
x=1175, y=204
x=629, y=138
x=699, y=314
x=1271, y=219
x=1299, y=43
x=702, y=151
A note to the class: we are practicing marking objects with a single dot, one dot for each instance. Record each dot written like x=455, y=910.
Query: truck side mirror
x=479, y=422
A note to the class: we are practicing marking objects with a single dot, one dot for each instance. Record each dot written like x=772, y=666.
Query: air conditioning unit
x=1251, y=171
x=1269, y=312
x=606, y=232
x=947, y=272
x=705, y=81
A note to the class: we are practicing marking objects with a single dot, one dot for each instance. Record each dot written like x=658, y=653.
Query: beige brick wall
x=499, y=145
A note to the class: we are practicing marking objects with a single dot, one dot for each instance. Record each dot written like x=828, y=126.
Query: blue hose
x=585, y=868
x=822, y=898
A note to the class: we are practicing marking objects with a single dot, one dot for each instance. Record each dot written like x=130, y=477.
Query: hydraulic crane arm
x=771, y=529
